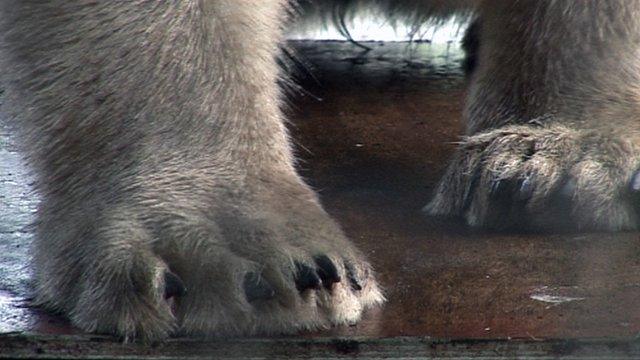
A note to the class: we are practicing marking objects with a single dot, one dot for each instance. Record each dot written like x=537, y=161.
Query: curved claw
x=327, y=271
x=257, y=288
x=567, y=190
x=525, y=190
x=498, y=187
x=306, y=278
x=634, y=184
x=353, y=278
x=505, y=190
x=173, y=285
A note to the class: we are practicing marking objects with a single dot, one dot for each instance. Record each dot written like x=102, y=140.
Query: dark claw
x=634, y=184
x=306, y=278
x=567, y=190
x=353, y=279
x=327, y=271
x=504, y=190
x=473, y=184
x=498, y=188
x=173, y=285
x=256, y=288
x=525, y=190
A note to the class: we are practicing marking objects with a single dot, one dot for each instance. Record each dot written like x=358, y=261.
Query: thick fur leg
x=552, y=119
x=164, y=165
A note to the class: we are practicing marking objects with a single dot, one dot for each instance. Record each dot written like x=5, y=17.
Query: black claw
x=525, y=190
x=567, y=190
x=257, y=288
x=306, y=278
x=504, y=190
x=507, y=191
x=634, y=184
x=473, y=185
x=498, y=188
x=173, y=285
x=353, y=278
x=327, y=271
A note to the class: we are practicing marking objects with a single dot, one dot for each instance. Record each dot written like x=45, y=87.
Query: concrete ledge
x=22, y=345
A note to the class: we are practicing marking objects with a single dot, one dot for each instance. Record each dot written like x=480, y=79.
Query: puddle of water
x=555, y=295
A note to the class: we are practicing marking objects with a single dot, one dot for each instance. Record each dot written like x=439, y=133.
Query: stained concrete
x=373, y=132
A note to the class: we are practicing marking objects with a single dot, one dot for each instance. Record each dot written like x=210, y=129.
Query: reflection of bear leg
x=156, y=136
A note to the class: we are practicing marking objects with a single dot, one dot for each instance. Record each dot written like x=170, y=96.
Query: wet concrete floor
x=373, y=133
x=376, y=143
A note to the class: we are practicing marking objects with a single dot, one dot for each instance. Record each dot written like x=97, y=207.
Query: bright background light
x=371, y=29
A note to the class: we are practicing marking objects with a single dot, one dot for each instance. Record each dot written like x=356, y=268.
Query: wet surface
x=377, y=133
x=17, y=204
x=373, y=132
